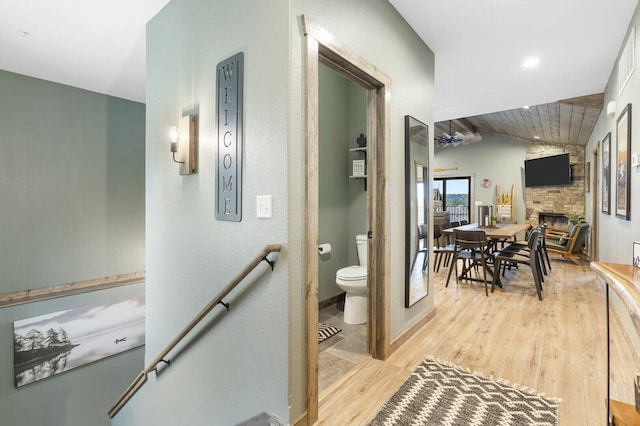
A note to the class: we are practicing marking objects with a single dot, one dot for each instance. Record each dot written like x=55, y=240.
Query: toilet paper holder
x=324, y=248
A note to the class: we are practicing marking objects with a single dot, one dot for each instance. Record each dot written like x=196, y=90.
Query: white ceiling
x=480, y=45
x=98, y=45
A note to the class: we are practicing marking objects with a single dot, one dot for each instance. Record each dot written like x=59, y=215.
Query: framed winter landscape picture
x=623, y=160
x=606, y=174
x=49, y=344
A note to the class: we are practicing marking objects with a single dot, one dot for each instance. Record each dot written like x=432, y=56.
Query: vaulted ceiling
x=569, y=121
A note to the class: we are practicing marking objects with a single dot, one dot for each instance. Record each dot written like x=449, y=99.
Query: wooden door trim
x=595, y=202
x=321, y=46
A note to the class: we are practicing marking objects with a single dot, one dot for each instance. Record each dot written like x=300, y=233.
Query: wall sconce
x=183, y=145
x=611, y=109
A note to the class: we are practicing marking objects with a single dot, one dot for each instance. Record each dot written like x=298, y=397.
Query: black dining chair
x=472, y=248
x=540, y=247
x=422, y=236
x=440, y=252
x=529, y=256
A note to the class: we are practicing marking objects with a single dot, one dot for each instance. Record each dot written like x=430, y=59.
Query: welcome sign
x=229, y=87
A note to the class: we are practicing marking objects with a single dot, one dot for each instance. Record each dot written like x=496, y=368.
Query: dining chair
x=471, y=247
x=422, y=236
x=452, y=225
x=529, y=256
x=520, y=246
x=440, y=252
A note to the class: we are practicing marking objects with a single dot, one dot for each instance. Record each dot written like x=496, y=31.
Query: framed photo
x=50, y=344
x=587, y=177
x=606, y=174
x=623, y=160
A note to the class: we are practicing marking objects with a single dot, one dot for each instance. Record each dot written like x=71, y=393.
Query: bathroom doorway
x=342, y=215
x=321, y=47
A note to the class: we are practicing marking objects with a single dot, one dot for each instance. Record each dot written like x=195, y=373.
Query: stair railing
x=140, y=380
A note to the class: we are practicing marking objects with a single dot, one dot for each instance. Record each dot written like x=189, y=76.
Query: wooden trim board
x=62, y=290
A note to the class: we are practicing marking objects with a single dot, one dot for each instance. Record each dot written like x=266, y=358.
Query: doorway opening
x=342, y=223
x=320, y=47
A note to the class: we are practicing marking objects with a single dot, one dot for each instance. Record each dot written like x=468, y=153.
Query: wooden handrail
x=142, y=377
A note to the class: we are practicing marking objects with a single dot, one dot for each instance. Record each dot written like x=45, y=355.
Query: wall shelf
x=361, y=150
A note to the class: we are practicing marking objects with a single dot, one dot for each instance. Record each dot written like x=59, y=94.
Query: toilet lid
x=352, y=273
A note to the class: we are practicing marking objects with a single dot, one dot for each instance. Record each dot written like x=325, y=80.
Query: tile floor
x=340, y=352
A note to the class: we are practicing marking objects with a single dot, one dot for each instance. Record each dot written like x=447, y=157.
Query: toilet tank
x=361, y=247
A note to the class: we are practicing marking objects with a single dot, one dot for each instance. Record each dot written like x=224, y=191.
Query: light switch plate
x=264, y=207
x=635, y=160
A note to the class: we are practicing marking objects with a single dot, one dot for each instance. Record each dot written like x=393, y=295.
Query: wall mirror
x=416, y=167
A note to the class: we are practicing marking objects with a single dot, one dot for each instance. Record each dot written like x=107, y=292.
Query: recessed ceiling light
x=536, y=137
x=525, y=107
x=531, y=62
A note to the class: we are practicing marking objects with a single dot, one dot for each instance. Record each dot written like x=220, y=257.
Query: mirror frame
x=416, y=154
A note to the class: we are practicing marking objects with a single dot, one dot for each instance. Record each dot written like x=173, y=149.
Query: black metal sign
x=229, y=86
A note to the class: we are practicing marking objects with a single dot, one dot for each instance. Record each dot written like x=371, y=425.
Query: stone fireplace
x=559, y=200
x=557, y=221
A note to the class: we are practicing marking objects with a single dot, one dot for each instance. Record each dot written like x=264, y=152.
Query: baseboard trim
x=408, y=334
x=330, y=301
x=301, y=420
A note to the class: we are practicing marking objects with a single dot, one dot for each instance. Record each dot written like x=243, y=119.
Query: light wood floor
x=556, y=346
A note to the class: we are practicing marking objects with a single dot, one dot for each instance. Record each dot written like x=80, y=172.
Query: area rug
x=325, y=331
x=439, y=393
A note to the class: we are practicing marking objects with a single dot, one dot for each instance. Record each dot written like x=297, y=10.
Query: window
x=452, y=195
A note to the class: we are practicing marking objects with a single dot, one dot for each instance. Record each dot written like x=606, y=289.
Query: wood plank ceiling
x=569, y=121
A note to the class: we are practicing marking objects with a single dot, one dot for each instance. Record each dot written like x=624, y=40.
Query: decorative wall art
x=623, y=160
x=49, y=344
x=229, y=90
x=636, y=254
x=606, y=174
x=587, y=177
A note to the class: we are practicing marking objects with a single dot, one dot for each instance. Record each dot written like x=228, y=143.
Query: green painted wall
x=72, y=185
x=342, y=201
x=238, y=365
x=616, y=235
x=252, y=359
x=497, y=158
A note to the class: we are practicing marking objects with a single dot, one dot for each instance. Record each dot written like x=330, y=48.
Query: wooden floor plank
x=556, y=346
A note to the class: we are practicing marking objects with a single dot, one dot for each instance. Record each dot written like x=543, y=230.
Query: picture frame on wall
x=587, y=177
x=606, y=174
x=56, y=342
x=623, y=160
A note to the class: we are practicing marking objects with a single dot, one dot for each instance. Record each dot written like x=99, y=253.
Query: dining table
x=497, y=234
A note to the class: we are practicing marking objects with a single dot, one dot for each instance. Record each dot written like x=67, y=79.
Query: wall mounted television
x=547, y=171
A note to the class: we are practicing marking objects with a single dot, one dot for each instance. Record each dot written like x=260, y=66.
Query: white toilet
x=353, y=280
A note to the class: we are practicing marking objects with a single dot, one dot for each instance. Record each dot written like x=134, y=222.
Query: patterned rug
x=445, y=394
x=325, y=331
